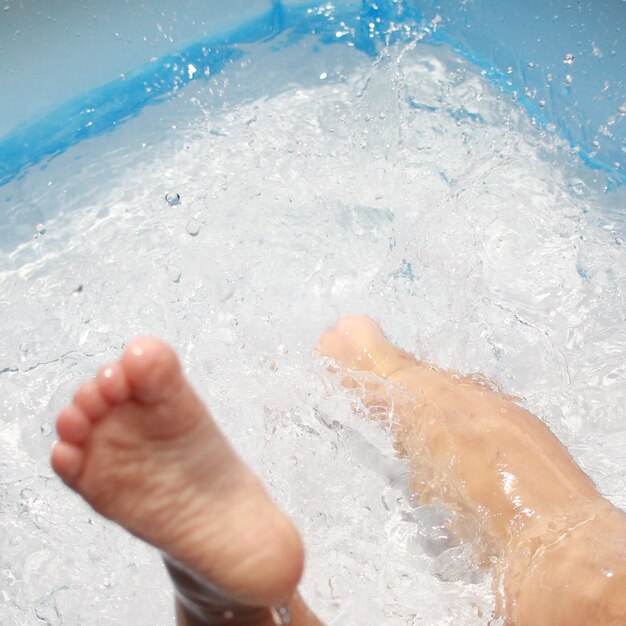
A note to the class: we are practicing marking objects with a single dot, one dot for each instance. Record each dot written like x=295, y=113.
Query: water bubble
x=567, y=80
x=607, y=572
x=381, y=115
x=46, y=429
x=41, y=229
x=542, y=103
x=531, y=65
x=193, y=227
x=509, y=70
x=282, y=349
x=323, y=75
x=619, y=241
x=28, y=494
x=568, y=59
x=172, y=198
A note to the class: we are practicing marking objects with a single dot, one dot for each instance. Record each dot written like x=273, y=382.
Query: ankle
x=391, y=361
x=199, y=603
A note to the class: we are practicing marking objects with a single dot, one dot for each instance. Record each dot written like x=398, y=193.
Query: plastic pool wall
x=74, y=70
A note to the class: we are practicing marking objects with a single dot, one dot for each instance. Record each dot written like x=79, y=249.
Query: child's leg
x=477, y=452
x=142, y=449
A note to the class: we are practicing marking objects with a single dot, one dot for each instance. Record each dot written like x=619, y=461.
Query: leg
x=142, y=449
x=559, y=543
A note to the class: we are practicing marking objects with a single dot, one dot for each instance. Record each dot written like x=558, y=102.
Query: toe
x=152, y=370
x=113, y=383
x=67, y=461
x=73, y=426
x=91, y=402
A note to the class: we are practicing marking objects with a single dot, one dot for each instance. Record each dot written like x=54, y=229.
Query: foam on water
x=325, y=184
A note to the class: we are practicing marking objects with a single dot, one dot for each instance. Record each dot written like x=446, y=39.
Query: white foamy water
x=313, y=183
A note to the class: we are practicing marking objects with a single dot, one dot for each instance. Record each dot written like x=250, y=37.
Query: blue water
x=105, y=108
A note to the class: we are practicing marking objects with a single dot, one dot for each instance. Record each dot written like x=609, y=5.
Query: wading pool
x=232, y=177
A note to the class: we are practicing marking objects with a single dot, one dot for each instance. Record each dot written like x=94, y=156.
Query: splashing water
x=407, y=189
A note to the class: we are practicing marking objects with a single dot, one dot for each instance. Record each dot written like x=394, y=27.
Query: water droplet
x=567, y=80
x=174, y=273
x=607, y=572
x=577, y=187
x=193, y=227
x=531, y=65
x=282, y=349
x=568, y=59
x=172, y=198
x=381, y=115
x=542, y=103
x=41, y=229
x=323, y=76
x=46, y=429
x=619, y=241
x=368, y=117
x=509, y=70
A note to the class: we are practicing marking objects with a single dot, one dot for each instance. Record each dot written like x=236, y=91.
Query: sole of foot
x=141, y=448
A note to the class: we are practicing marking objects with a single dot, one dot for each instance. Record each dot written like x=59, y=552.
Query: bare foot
x=561, y=547
x=141, y=448
x=357, y=342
